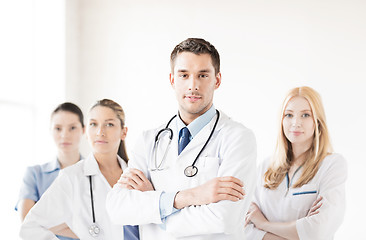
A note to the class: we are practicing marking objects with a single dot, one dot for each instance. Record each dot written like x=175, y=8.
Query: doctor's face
x=298, y=123
x=66, y=131
x=194, y=81
x=104, y=130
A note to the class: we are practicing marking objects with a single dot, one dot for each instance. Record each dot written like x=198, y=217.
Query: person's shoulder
x=266, y=161
x=75, y=167
x=264, y=164
x=333, y=168
x=37, y=168
x=152, y=132
x=74, y=170
x=333, y=163
x=34, y=168
x=37, y=174
x=31, y=174
x=232, y=126
x=334, y=159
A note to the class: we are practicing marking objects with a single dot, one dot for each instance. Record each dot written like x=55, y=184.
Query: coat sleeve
x=251, y=232
x=51, y=210
x=331, y=214
x=238, y=154
x=132, y=207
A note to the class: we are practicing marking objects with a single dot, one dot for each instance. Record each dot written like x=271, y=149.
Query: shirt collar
x=91, y=166
x=196, y=126
x=51, y=166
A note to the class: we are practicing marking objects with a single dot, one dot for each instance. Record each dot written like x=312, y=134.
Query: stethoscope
x=94, y=229
x=191, y=170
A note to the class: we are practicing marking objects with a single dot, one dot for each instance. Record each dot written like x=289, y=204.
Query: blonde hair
x=320, y=148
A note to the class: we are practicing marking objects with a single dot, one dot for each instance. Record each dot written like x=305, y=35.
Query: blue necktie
x=184, y=139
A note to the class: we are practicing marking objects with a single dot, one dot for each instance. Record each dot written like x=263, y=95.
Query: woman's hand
x=275, y=230
x=63, y=230
x=315, y=207
x=135, y=179
x=255, y=216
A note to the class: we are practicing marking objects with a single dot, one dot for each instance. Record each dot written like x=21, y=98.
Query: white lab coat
x=277, y=206
x=230, y=152
x=68, y=201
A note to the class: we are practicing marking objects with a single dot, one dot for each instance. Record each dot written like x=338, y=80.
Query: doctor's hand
x=255, y=216
x=315, y=207
x=215, y=190
x=135, y=179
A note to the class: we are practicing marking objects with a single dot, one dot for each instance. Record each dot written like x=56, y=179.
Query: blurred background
x=85, y=50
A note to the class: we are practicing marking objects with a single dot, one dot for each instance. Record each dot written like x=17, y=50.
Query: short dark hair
x=70, y=107
x=197, y=46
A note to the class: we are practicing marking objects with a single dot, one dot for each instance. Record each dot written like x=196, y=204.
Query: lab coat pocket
x=208, y=168
x=302, y=198
x=162, y=179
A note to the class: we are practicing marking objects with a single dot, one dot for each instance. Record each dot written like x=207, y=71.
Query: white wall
x=266, y=47
x=120, y=50
x=32, y=60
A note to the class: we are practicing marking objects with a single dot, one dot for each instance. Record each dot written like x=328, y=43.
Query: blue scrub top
x=36, y=181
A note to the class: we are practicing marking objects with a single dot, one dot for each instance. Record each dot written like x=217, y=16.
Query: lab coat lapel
x=193, y=148
x=196, y=144
x=91, y=166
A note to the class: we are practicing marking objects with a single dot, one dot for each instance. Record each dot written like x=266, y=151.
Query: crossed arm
x=215, y=190
x=61, y=230
x=277, y=230
x=218, y=204
x=325, y=215
x=26, y=204
x=43, y=222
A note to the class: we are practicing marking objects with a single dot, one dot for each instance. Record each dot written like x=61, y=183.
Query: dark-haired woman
x=78, y=195
x=67, y=129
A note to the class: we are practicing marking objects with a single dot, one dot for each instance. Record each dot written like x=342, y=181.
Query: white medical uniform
x=284, y=205
x=230, y=152
x=68, y=201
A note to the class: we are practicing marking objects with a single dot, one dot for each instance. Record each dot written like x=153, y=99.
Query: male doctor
x=169, y=193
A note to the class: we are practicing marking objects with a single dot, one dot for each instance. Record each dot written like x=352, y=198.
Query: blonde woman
x=301, y=190
x=77, y=196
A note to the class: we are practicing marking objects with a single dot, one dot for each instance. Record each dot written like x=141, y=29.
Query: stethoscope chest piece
x=94, y=230
x=190, y=171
